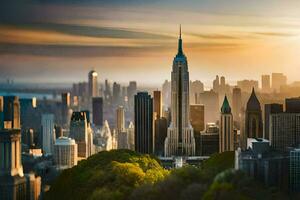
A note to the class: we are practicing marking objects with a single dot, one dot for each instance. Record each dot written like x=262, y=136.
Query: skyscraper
x=143, y=110
x=180, y=139
x=48, y=134
x=196, y=87
x=265, y=83
x=278, y=80
x=253, y=118
x=292, y=105
x=157, y=104
x=226, y=135
x=66, y=102
x=116, y=98
x=216, y=84
x=160, y=129
x=79, y=132
x=97, y=105
x=93, y=84
x=166, y=93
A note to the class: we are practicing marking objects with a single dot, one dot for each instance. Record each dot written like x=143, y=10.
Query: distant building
x=123, y=140
x=270, y=109
x=265, y=83
x=33, y=186
x=263, y=164
x=253, y=119
x=48, y=134
x=166, y=94
x=130, y=132
x=120, y=116
x=247, y=85
x=144, y=138
x=210, y=100
x=116, y=98
x=226, y=136
x=278, y=80
x=66, y=103
x=196, y=87
x=104, y=141
x=97, y=106
x=93, y=84
x=216, y=84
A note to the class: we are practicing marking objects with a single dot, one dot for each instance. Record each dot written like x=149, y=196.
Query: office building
x=33, y=186
x=93, y=84
x=226, y=128
x=284, y=130
x=48, y=133
x=97, y=106
x=166, y=94
x=216, y=84
x=180, y=139
x=270, y=109
x=278, y=80
x=65, y=153
x=143, y=120
x=123, y=140
x=116, y=98
x=262, y=163
x=11, y=112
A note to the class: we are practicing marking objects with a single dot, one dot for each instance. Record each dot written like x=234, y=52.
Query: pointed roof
x=180, y=51
x=225, y=109
x=253, y=102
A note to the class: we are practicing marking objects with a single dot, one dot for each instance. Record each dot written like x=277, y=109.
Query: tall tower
x=226, y=137
x=180, y=138
x=93, y=83
x=48, y=133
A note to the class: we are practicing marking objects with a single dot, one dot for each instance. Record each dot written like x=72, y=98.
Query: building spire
x=180, y=52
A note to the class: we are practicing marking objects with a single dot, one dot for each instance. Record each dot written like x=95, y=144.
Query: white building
x=65, y=153
x=48, y=134
x=180, y=137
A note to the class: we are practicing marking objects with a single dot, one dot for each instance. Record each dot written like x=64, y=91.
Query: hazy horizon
x=137, y=40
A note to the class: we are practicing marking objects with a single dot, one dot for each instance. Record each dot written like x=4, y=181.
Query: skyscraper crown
x=253, y=103
x=225, y=109
x=180, y=51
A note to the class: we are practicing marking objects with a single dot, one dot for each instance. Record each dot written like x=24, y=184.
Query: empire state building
x=180, y=139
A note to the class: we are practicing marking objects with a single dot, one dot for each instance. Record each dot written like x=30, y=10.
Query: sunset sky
x=61, y=40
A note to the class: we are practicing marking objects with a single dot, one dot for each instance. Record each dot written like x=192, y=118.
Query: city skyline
x=233, y=39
